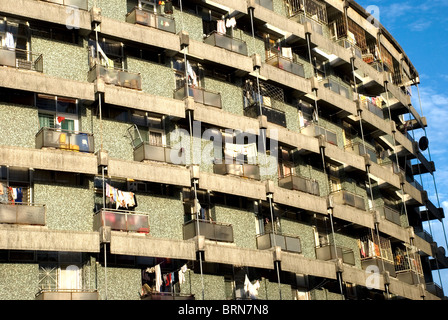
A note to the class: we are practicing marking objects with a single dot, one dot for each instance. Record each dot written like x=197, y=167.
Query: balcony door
x=69, y=278
x=57, y=112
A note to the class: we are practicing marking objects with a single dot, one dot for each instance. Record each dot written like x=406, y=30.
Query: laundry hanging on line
x=122, y=199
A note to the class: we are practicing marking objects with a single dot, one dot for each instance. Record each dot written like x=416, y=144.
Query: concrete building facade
x=258, y=149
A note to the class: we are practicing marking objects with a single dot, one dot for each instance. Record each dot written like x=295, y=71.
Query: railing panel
x=64, y=139
x=120, y=220
x=285, y=242
x=210, y=230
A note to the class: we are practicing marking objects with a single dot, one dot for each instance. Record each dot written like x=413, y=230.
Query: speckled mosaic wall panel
x=157, y=79
x=324, y=294
x=114, y=9
x=291, y=114
x=306, y=168
x=20, y=124
x=214, y=288
x=122, y=283
x=231, y=95
x=115, y=138
x=254, y=45
x=68, y=207
x=62, y=59
x=18, y=281
x=270, y=290
x=243, y=223
x=166, y=215
x=305, y=233
x=190, y=23
x=279, y=7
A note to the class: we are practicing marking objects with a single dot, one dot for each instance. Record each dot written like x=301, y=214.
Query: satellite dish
x=423, y=143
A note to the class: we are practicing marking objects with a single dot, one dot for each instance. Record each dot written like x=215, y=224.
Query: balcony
x=65, y=140
x=121, y=220
x=367, y=104
x=200, y=96
x=67, y=294
x=344, y=197
x=360, y=149
x=286, y=242
x=294, y=182
x=149, y=19
x=327, y=252
x=287, y=65
x=226, y=42
x=390, y=214
x=216, y=231
x=314, y=130
x=273, y=115
x=338, y=86
x=343, y=42
x=423, y=234
x=167, y=296
x=244, y=170
x=115, y=77
x=23, y=213
x=376, y=251
x=408, y=267
x=79, y=4
x=21, y=59
x=147, y=151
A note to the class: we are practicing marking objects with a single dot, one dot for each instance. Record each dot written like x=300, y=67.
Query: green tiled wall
x=243, y=222
x=68, y=207
x=24, y=121
x=18, y=281
x=62, y=59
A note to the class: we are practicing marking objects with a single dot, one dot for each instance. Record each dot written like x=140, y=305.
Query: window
x=148, y=128
x=110, y=54
x=57, y=112
x=335, y=184
x=285, y=165
x=64, y=274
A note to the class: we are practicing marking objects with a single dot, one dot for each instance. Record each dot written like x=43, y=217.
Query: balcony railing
x=390, y=214
x=226, y=42
x=21, y=59
x=116, y=77
x=408, y=267
x=216, y=231
x=273, y=115
x=147, y=151
x=23, y=213
x=167, y=296
x=311, y=8
x=377, y=251
x=314, y=130
x=64, y=139
x=373, y=108
x=287, y=65
x=67, y=294
x=286, y=242
x=121, y=220
x=327, y=252
x=338, y=86
x=146, y=18
x=79, y=4
x=347, y=198
x=425, y=235
x=294, y=182
x=200, y=96
x=343, y=42
x=360, y=149
x=245, y=170
x=268, y=4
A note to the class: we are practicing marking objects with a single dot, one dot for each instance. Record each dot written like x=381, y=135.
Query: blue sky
x=420, y=27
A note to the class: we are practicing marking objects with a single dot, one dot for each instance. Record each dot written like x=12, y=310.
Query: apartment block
x=210, y=150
